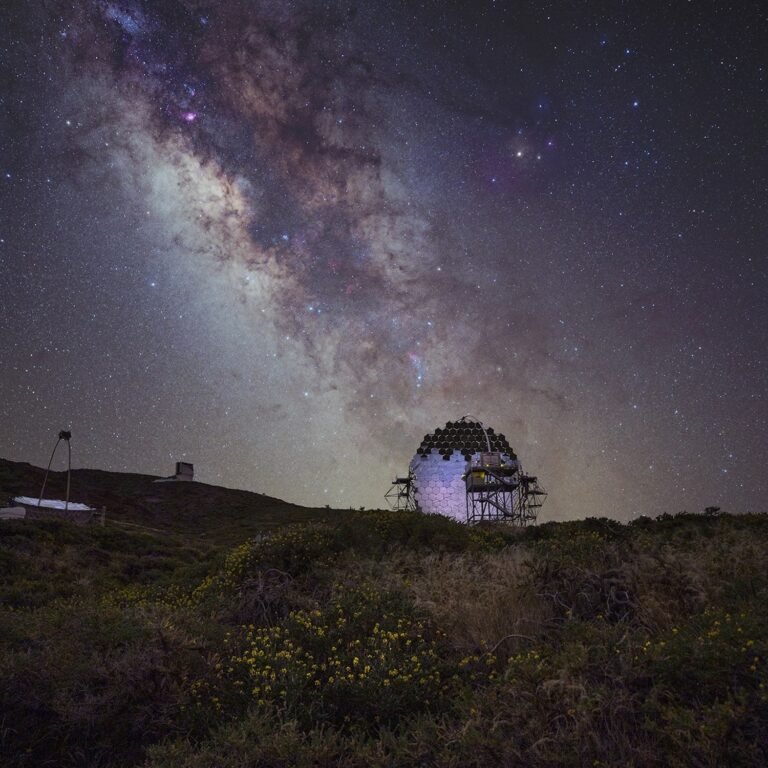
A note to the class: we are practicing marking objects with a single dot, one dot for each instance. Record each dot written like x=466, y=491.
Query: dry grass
x=389, y=640
x=482, y=601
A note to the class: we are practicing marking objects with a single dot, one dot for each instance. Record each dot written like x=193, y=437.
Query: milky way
x=286, y=240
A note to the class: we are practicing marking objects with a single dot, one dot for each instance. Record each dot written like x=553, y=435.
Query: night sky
x=284, y=240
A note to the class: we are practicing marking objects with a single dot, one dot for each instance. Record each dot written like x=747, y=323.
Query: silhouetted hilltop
x=183, y=507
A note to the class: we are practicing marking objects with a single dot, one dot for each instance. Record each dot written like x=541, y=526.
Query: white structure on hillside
x=184, y=472
x=31, y=508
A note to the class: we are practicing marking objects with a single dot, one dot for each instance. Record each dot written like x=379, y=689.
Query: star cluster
x=284, y=239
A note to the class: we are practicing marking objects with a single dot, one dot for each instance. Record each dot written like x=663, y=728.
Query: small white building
x=184, y=472
x=12, y=513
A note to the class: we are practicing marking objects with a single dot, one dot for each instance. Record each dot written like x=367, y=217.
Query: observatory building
x=470, y=473
x=184, y=472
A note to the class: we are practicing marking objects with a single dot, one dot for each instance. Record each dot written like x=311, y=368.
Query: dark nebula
x=284, y=240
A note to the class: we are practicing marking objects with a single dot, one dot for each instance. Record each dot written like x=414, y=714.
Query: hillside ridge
x=135, y=498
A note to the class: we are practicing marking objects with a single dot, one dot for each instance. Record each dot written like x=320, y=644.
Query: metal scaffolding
x=400, y=496
x=498, y=491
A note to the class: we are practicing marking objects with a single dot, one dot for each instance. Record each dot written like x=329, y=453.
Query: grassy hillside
x=224, y=514
x=386, y=639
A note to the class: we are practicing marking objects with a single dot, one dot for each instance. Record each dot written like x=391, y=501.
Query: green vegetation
x=387, y=639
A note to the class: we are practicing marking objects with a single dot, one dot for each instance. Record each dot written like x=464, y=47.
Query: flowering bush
x=364, y=658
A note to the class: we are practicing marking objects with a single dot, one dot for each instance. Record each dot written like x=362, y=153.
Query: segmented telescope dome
x=442, y=459
x=464, y=437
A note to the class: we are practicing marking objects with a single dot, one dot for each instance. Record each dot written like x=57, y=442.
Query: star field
x=285, y=240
